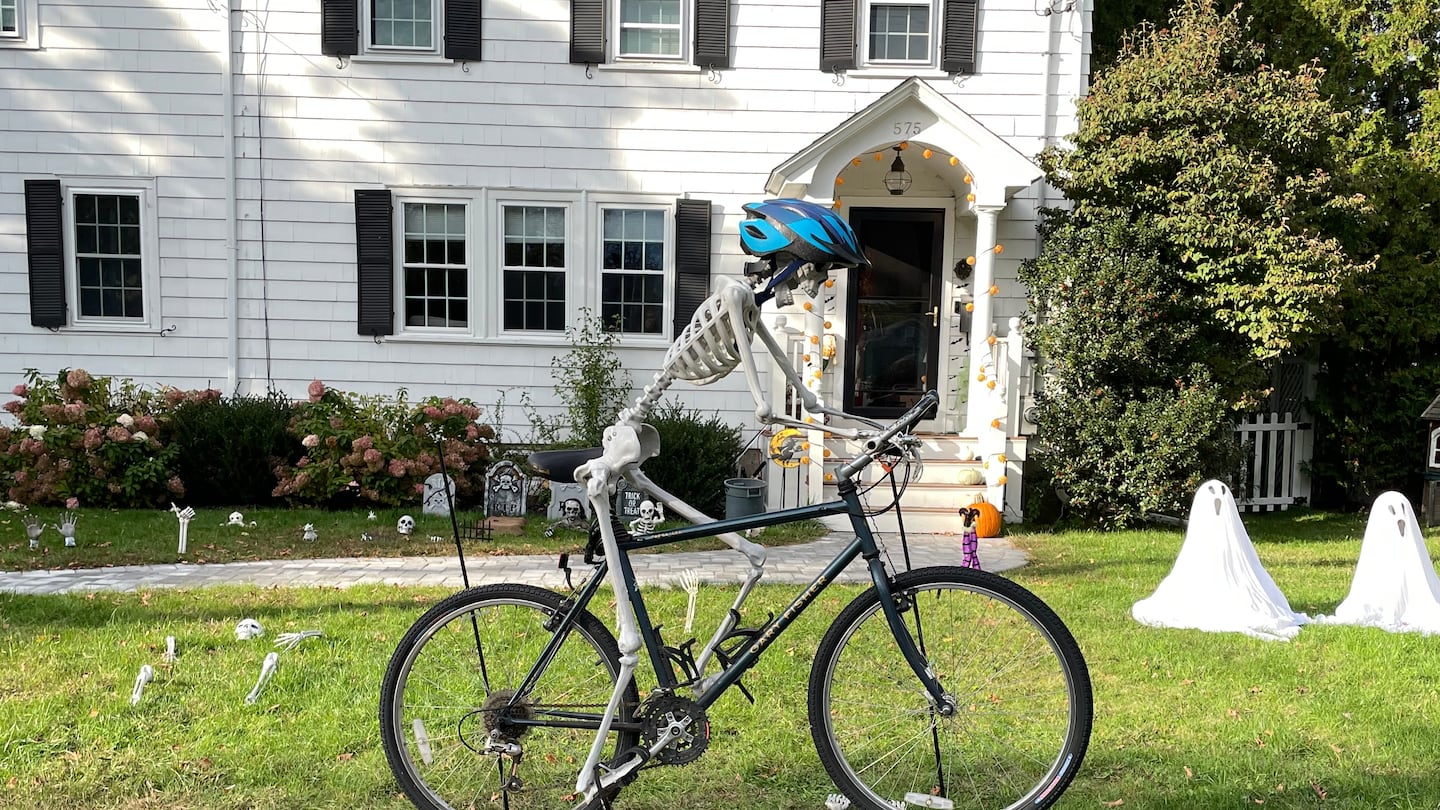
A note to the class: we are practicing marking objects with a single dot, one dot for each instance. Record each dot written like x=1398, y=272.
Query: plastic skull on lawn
x=406, y=525
x=248, y=629
x=236, y=519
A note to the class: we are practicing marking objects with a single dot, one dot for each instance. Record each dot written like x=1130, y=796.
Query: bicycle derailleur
x=679, y=718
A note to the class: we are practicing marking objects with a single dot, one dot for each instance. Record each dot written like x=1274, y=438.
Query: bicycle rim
x=1023, y=695
x=435, y=715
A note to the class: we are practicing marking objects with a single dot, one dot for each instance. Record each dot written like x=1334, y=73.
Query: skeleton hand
x=67, y=528
x=33, y=528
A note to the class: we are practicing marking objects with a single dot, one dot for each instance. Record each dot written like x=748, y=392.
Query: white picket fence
x=1279, y=446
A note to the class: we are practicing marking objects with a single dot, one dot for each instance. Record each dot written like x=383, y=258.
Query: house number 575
x=907, y=129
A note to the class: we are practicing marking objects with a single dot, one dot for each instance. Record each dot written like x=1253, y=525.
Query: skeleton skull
x=248, y=629
x=236, y=519
x=647, y=510
x=572, y=511
x=406, y=525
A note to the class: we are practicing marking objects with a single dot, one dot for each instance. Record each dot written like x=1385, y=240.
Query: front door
x=894, y=315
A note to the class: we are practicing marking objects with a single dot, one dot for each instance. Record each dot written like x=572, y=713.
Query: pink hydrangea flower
x=397, y=468
x=78, y=378
x=72, y=503
x=93, y=438
x=20, y=390
x=311, y=441
x=74, y=412
x=363, y=443
x=316, y=390
x=146, y=423
x=118, y=434
x=372, y=456
x=434, y=412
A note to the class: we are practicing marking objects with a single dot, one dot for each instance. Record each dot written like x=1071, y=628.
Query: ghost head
x=406, y=525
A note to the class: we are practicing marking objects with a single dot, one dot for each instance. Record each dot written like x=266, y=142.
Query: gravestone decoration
x=560, y=494
x=505, y=490
x=436, y=500
x=627, y=500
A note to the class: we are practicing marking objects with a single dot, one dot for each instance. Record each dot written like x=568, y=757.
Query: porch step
x=928, y=520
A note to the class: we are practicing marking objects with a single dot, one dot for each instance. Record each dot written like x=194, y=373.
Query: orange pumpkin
x=988, y=524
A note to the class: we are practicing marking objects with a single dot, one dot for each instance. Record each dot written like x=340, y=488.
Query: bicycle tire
x=995, y=647
x=432, y=724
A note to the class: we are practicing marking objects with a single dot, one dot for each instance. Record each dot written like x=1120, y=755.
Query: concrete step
x=930, y=520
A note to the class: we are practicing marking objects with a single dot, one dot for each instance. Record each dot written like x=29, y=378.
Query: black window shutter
x=587, y=32
x=462, y=30
x=692, y=259
x=375, y=257
x=712, y=33
x=44, y=244
x=837, y=35
x=960, y=27
x=339, y=27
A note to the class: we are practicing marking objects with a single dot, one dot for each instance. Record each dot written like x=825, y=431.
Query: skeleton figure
x=572, y=516
x=236, y=519
x=651, y=514
x=406, y=525
x=33, y=528
x=370, y=516
x=310, y=533
x=67, y=528
x=184, y=516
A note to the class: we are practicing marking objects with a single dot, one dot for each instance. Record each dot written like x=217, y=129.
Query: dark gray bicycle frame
x=863, y=546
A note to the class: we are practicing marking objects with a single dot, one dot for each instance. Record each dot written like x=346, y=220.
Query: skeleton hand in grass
x=33, y=528
x=67, y=528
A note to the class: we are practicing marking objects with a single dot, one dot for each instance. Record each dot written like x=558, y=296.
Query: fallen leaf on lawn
x=1255, y=690
x=346, y=757
x=1259, y=743
x=1232, y=713
x=1115, y=803
x=1187, y=682
x=1319, y=791
x=1189, y=774
x=94, y=712
x=1335, y=748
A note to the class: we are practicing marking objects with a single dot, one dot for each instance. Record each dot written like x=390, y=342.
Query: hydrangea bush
x=381, y=449
x=92, y=440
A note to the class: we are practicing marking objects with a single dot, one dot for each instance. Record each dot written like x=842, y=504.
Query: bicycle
x=937, y=687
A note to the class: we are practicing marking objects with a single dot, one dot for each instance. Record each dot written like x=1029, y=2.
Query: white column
x=978, y=406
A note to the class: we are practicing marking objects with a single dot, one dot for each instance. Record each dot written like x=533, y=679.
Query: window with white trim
x=109, y=259
x=1435, y=448
x=435, y=286
x=633, y=259
x=402, y=26
x=19, y=24
x=651, y=29
x=9, y=18
x=898, y=32
x=533, y=267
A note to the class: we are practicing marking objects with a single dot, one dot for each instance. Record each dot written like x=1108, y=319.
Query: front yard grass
x=148, y=536
x=1340, y=717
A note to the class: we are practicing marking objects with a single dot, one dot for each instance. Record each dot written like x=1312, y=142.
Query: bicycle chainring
x=660, y=712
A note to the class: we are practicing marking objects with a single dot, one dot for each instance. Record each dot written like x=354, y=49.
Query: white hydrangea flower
x=139, y=436
x=126, y=420
x=37, y=431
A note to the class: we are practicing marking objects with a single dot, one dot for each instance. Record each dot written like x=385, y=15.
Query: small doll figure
x=970, y=540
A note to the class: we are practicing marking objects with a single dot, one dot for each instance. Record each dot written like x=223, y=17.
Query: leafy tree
x=1216, y=177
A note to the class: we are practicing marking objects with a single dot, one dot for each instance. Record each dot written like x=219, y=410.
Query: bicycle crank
x=677, y=726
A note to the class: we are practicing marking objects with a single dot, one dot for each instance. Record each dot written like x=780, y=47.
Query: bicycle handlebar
x=927, y=405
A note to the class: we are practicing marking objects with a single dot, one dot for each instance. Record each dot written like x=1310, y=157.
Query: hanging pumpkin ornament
x=927, y=154
x=807, y=306
x=990, y=340
x=999, y=249
x=839, y=181
x=968, y=179
x=829, y=282
x=835, y=204
x=954, y=161
x=994, y=289
x=981, y=376
x=970, y=260
x=970, y=306
x=990, y=385
x=855, y=162
x=879, y=156
x=969, y=198
x=1002, y=480
x=904, y=145
x=995, y=423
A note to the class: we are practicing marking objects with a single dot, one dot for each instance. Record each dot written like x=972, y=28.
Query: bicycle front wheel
x=1022, y=692
x=461, y=671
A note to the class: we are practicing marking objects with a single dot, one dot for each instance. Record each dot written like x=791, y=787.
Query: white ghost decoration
x=1395, y=587
x=1218, y=583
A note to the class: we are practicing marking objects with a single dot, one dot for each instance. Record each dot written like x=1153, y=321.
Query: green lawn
x=139, y=536
x=1339, y=717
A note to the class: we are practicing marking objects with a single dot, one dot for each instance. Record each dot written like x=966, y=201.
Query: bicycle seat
x=559, y=465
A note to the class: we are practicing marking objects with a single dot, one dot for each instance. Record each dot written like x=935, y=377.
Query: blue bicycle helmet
x=788, y=229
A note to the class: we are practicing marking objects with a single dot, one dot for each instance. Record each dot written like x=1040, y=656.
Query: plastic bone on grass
x=147, y=674
x=169, y=656
x=267, y=671
x=289, y=641
x=184, y=516
x=66, y=527
x=690, y=581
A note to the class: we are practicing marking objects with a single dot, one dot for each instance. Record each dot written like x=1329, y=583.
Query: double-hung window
x=19, y=24
x=10, y=18
x=898, y=32
x=403, y=25
x=651, y=29
x=533, y=267
x=632, y=274
x=436, y=288
x=92, y=253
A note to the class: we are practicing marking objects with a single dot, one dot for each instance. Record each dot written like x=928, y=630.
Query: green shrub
x=228, y=449
x=381, y=450
x=590, y=381
x=697, y=454
x=90, y=440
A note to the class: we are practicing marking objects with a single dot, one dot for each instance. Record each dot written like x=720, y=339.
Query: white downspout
x=232, y=246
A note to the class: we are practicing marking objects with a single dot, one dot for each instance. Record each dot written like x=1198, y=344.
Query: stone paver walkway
x=787, y=564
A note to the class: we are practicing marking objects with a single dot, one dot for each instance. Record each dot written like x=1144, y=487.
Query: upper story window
x=19, y=24
x=1435, y=448
x=404, y=25
x=899, y=32
x=9, y=18
x=651, y=29
x=908, y=35
x=668, y=32
x=533, y=267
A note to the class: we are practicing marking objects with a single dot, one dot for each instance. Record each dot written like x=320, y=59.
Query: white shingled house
x=426, y=193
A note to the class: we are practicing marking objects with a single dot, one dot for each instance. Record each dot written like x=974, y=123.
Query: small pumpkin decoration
x=969, y=478
x=988, y=523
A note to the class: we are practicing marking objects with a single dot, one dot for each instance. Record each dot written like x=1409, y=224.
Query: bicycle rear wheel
x=455, y=672
x=1022, y=690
